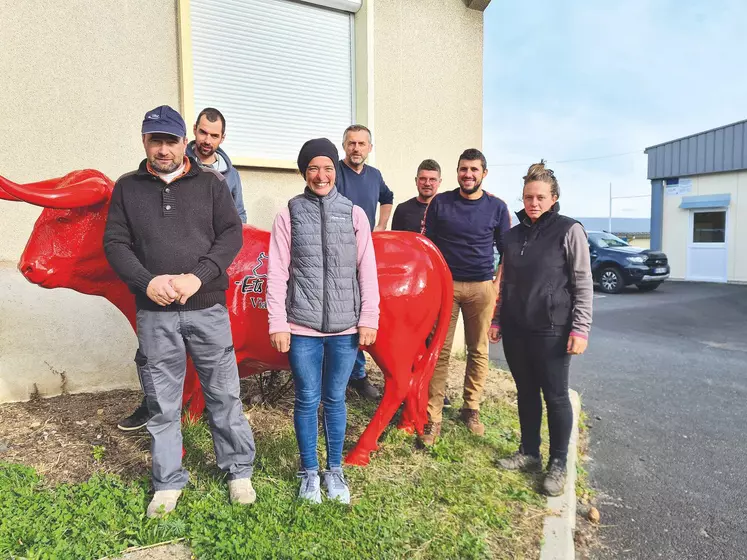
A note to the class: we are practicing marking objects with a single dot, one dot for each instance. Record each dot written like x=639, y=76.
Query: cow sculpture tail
x=415, y=414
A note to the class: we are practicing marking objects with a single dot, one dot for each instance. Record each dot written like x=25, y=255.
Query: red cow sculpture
x=65, y=250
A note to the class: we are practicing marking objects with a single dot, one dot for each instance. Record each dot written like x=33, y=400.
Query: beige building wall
x=76, y=84
x=739, y=224
x=428, y=87
x=77, y=80
x=674, y=236
x=676, y=231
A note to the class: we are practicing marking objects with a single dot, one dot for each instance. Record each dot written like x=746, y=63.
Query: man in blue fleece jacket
x=210, y=131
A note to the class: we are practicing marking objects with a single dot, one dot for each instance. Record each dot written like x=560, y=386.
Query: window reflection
x=709, y=227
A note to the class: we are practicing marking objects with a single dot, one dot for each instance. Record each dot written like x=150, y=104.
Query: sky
x=580, y=79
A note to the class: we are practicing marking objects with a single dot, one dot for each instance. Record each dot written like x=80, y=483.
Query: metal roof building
x=697, y=214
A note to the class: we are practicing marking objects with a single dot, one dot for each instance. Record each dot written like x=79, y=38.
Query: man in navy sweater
x=465, y=224
x=365, y=187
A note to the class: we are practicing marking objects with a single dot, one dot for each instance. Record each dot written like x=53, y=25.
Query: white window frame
x=714, y=244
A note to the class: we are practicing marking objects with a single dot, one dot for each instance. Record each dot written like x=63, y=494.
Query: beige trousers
x=476, y=300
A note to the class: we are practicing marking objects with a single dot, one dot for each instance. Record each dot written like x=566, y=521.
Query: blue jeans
x=359, y=369
x=321, y=368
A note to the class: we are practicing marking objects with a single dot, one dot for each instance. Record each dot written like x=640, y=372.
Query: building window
x=280, y=71
x=709, y=227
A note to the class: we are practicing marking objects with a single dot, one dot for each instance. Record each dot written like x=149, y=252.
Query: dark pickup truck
x=616, y=264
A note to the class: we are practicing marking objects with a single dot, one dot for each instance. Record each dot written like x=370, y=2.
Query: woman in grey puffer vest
x=323, y=302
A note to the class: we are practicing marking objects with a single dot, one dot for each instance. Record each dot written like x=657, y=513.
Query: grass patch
x=448, y=502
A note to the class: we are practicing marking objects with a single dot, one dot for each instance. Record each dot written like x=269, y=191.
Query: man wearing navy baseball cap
x=164, y=120
x=171, y=233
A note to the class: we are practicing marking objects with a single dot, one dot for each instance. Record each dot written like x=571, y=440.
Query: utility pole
x=609, y=223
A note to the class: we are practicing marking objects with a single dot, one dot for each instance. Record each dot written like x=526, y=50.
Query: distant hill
x=619, y=225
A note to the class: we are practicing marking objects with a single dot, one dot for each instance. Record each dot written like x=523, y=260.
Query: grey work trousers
x=164, y=338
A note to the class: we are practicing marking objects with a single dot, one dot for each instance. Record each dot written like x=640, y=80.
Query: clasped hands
x=169, y=288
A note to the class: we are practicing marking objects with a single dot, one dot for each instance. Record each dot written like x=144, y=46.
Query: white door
x=706, y=250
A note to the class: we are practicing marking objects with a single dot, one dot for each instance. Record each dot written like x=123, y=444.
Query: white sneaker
x=241, y=491
x=163, y=502
x=309, y=489
x=337, y=486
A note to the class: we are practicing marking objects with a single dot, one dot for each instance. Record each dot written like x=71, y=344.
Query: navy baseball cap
x=164, y=120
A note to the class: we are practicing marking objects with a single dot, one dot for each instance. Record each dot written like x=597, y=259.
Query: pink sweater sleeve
x=368, y=278
x=278, y=272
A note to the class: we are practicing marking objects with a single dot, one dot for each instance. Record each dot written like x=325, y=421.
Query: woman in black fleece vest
x=543, y=317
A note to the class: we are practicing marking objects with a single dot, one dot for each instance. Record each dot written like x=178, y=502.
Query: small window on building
x=709, y=227
x=280, y=71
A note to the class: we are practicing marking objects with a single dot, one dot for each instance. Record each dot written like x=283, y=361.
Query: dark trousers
x=541, y=363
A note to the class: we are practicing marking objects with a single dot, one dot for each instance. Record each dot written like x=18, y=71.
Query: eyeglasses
x=430, y=180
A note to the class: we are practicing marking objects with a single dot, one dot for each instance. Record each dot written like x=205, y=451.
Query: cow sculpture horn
x=75, y=190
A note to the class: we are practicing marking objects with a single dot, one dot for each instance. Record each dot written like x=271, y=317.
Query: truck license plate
x=660, y=270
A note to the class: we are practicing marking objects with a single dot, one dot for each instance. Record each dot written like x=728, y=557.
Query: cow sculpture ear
x=75, y=190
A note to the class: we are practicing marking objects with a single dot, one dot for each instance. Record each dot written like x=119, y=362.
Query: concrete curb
x=560, y=523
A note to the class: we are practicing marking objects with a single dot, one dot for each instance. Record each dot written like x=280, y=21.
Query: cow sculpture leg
x=396, y=387
x=415, y=407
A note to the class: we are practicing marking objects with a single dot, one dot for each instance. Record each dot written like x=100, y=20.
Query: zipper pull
x=523, y=247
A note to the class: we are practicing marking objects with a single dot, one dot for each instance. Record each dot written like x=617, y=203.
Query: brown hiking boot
x=472, y=419
x=431, y=431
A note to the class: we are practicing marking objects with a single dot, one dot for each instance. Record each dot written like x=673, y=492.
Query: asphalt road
x=664, y=384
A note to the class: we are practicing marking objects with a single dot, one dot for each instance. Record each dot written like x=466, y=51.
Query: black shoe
x=364, y=388
x=447, y=402
x=554, y=483
x=519, y=461
x=135, y=421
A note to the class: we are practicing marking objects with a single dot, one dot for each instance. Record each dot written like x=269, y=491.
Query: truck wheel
x=610, y=280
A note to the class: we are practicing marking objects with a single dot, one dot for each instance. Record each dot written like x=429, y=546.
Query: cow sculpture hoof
x=358, y=457
x=407, y=427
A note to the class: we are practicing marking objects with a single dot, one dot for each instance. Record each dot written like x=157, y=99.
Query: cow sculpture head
x=65, y=249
